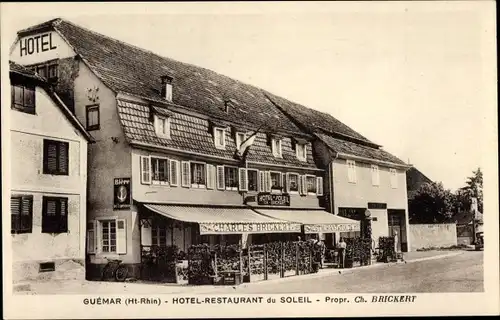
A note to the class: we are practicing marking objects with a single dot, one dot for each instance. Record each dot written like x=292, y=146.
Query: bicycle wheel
x=121, y=273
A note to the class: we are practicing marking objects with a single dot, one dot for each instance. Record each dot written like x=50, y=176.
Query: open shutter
x=173, y=172
x=146, y=233
x=302, y=184
x=63, y=157
x=210, y=176
x=92, y=236
x=186, y=174
x=121, y=236
x=145, y=170
x=243, y=182
x=286, y=183
x=262, y=181
x=319, y=186
x=268, y=181
x=220, y=178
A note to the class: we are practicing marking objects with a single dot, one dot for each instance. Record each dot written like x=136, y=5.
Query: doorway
x=397, y=225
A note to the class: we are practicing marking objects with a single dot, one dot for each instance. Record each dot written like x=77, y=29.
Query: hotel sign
x=121, y=195
x=36, y=44
x=248, y=227
x=329, y=228
x=271, y=199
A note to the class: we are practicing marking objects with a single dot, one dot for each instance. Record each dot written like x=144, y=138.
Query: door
x=397, y=225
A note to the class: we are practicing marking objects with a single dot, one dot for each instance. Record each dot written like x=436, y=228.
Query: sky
x=415, y=77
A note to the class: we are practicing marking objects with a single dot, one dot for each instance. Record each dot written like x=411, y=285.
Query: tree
x=473, y=189
x=432, y=203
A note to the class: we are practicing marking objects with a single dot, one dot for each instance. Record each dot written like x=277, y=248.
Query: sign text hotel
x=36, y=44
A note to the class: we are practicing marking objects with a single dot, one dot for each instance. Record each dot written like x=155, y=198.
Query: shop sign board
x=121, y=197
x=330, y=228
x=272, y=199
x=248, y=227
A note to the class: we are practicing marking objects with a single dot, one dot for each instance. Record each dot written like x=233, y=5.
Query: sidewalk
x=139, y=287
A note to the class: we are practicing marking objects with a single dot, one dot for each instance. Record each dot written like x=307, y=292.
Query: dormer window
x=276, y=147
x=220, y=138
x=166, y=88
x=301, y=150
x=162, y=126
x=240, y=137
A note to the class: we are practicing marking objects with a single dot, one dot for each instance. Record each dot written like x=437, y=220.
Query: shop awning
x=314, y=221
x=225, y=220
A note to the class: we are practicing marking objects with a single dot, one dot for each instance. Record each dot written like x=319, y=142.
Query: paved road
x=460, y=273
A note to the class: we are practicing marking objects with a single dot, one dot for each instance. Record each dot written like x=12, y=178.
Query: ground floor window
x=21, y=209
x=54, y=215
x=108, y=241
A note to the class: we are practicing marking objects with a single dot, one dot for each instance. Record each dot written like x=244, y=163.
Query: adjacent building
x=48, y=161
x=184, y=155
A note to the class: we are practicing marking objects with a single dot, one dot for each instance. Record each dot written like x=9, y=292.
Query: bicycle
x=114, y=269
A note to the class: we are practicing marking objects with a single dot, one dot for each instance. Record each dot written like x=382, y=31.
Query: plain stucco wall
x=27, y=178
x=432, y=235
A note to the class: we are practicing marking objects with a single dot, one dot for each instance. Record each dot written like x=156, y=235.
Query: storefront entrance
x=397, y=226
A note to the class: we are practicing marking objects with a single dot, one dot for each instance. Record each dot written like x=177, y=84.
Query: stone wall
x=432, y=235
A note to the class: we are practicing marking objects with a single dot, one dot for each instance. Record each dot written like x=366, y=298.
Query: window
x=49, y=71
x=54, y=215
x=319, y=186
x=220, y=178
x=53, y=72
x=42, y=71
x=162, y=126
x=23, y=98
x=276, y=147
x=301, y=151
x=240, y=137
x=311, y=184
x=220, y=138
x=159, y=235
x=55, y=157
x=211, y=176
x=21, y=210
x=394, y=178
x=351, y=171
x=198, y=177
x=276, y=181
x=375, y=175
x=293, y=182
x=160, y=170
x=108, y=238
x=252, y=180
x=46, y=267
x=93, y=117
x=231, y=178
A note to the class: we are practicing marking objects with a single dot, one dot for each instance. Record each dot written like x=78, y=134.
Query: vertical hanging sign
x=121, y=196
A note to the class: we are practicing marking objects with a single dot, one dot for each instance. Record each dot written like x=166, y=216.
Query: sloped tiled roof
x=129, y=69
x=17, y=68
x=414, y=179
x=351, y=148
x=193, y=134
x=314, y=120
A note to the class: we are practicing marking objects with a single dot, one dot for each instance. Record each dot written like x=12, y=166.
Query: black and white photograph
x=177, y=159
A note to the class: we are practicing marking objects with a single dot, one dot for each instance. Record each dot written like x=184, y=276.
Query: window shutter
x=268, y=181
x=210, y=176
x=286, y=183
x=121, y=236
x=319, y=186
x=174, y=172
x=302, y=185
x=243, y=180
x=186, y=174
x=262, y=181
x=282, y=181
x=145, y=170
x=220, y=178
x=91, y=237
x=146, y=233
x=63, y=157
x=63, y=215
x=51, y=156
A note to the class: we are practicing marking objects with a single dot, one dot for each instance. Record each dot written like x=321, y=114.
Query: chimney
x=166, y=88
